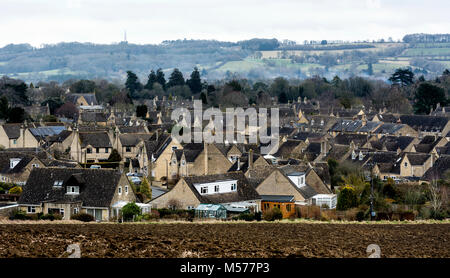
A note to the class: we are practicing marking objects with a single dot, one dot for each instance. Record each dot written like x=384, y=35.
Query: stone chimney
x=205, y=148
x=250, y=159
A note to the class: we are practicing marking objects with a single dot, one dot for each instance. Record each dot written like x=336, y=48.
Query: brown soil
x=225, y=240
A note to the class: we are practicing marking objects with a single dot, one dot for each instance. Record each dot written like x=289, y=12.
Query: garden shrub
x=273, y=214
x=360, y=215
x=347, y=198
x=16, y=190
x=258, y=216
x=83, y=217
x=246, y=216
x=130, y=210
x=51, y=217
x=19, y=215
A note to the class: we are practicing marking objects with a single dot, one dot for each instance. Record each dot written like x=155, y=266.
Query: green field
x=421, y=51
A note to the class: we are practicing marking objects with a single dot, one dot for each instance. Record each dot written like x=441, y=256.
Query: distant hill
x=255, y=58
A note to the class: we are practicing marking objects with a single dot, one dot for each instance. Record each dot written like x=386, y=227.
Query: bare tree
x=435, y=195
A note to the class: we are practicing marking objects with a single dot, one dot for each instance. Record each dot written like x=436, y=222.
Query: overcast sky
x=152, y=21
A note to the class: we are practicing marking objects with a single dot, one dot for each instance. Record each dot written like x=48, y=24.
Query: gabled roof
x=132, y=139
x=132, y=129
x=12, y=130
x=244, y=191
x=346, y=139
x=95, y=139
x=417, y=158
x=424, y=122
x=439, y=169
x=97, y=186
x=5, y=162
x=286, y=149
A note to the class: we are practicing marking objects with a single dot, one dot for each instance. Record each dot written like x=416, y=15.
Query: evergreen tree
x=114, y=156
x=427, y=97
x=152, y=79
x=195, y=83
x=141, y=111
x=4, y=108
x=16, y=115
x=145, y=189
x=404, y=77
x=176, y=79
x=160, y=78
x=132, y=84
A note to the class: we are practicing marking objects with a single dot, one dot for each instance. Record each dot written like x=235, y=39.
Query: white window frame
x=126, y=189
x=204, y=190
x=76, y=210
x=216, y=188
x=31, y=209
x=120, y=190
x=233, y=187
x=71, y=190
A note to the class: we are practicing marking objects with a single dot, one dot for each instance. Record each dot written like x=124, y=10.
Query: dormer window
x=216, y=188
x=73, y=190
x=120, y=190
x=204, y=190
x=353, y=155
x=89, y=150
x=361, y=156
x=183, y=162
x=58, y=183
x=128, y=149
x=13, y=162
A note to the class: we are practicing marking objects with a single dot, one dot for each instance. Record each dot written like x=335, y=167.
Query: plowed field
x=247, y=240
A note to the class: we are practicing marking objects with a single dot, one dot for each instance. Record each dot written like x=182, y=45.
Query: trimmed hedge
x=83, y=217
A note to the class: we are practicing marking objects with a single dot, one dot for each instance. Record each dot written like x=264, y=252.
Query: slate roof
x=131, y=140
x=417, y=158
x=425, y=123
x=93, y=117
x=388, y=128
x=370, y=127
x=346, y=139
x=59, y=138
x=90, y=98
x=12, y=130
x=132, y=129
x=286, y=149
x=347, y=126
x=97, y=186
x=305, y=135
x=439, y=169
x=5, y=162
x=95, y=139
x=387, y=118
x=244, y=190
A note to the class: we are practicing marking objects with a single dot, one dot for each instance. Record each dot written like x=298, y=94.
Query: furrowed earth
x=249, y=240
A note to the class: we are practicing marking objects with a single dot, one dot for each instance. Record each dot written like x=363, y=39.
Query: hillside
x=254, y=59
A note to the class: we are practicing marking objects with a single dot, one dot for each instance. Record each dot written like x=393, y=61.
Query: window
x=15, y=141
x=128, y=149
x=106, y=150
x=190, y=207
x=35, y=165
x=288, y=207
x=120, y=190
x=31, y=209
x=89, y=150
x=76, y=210
x=73, y=190
x=216, y=188
x=183, y=162
x=233, y=187
x=406, y=164
x=204, y=190
x=61, y=211
x=97, y=150
x=174, y=148
x=58, y=183
x=126, y=189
